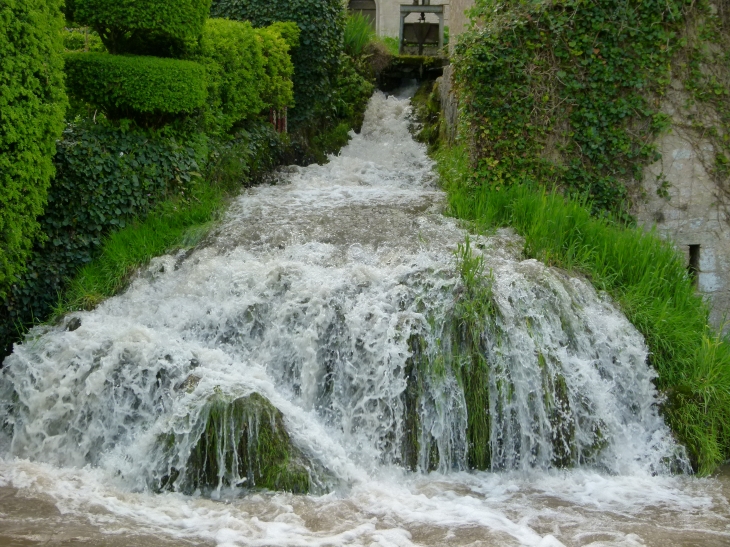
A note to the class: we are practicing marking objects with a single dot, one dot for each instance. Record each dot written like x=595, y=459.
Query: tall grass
x=358, y=34
x=390, y=43
x=645, y=276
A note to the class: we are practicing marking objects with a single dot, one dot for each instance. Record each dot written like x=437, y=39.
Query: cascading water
x=334, y=332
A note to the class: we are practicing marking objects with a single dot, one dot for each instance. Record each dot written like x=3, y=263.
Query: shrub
x=104, y=178
x=249, y=70
x=124, y=86
x=32, y=104
x=165, y=28
x=277, y=88
x=232, y=54
x=316, y=59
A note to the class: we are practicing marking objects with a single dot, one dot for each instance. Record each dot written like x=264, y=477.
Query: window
x=694, y=262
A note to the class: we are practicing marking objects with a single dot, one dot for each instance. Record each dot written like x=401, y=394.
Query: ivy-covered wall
x=564, y=93
x=686, y=192
x=623, y=101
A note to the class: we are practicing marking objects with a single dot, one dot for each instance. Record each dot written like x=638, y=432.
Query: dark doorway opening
x=366, y=7
x=694, y=262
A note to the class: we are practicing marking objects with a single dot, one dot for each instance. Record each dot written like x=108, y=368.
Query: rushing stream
x=333, y=307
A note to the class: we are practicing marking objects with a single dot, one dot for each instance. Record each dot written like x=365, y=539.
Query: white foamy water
x=314, y=293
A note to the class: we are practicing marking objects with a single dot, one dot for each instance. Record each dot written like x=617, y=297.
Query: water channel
x=310, y=293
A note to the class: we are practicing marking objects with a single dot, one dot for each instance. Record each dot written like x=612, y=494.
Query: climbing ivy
x=566, y=93
x=702, y=71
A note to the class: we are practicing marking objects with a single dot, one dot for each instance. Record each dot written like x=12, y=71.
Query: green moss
x=473, y=314
x=427, y=106
x=244, y=443
x=411, y=445
x=562, y=423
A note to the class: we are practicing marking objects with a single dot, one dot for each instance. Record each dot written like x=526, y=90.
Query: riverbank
x=643, y=274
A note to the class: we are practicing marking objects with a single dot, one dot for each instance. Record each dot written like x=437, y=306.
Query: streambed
x=311, y=293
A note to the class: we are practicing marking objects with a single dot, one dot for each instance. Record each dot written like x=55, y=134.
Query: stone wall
x=387, y=19
x=459, y=21
x=388, y=15
x=449, y=105
x=685, y=204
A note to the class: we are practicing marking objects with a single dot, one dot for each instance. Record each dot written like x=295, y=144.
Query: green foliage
x=125, y=86
x=105, y=177
x=316, y=59
x=32, y=104
x=249, y=70
x=245, y=439
x=561, y=92
x=358, y=33
x=276, y=86
x=165, y=28
x=232, y=54
x=81, y=39
x=644, y=275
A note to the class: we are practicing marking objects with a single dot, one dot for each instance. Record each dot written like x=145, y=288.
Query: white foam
x=308, y=293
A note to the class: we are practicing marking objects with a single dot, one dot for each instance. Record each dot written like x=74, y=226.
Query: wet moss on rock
x=411, y=444
x=244, y=443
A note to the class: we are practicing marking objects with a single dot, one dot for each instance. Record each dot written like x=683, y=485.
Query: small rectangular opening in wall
x=694, y=262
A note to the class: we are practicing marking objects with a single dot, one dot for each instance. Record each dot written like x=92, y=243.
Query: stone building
x=385, y=14
x=684, y=203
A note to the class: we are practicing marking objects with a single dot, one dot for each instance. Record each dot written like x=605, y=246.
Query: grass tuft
x=358, y=34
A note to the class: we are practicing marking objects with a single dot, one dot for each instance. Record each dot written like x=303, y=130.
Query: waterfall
x=335, y=327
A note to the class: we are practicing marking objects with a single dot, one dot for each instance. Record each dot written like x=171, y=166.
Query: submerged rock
x=243, y=443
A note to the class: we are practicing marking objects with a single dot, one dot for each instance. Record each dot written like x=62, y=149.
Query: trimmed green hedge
x=316, y=60
x=232, y=54
x=32, y=105
x=165, y=28
x=249, y=70
x=277, y=88
x=124, y=85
